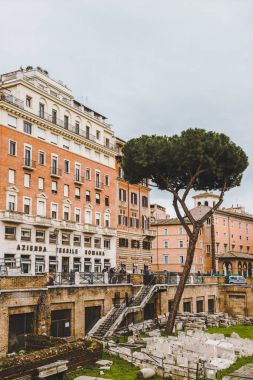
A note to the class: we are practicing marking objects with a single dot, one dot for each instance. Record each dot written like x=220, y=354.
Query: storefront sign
x=94, y=253
x=31, y=248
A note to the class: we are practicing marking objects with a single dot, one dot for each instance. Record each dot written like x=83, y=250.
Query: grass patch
x=120, y=369
x=240, y=362
x=242, y=331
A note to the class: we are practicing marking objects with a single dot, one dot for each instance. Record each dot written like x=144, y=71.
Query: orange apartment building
x=134, y=235
x=225, y=243
x=58, y=179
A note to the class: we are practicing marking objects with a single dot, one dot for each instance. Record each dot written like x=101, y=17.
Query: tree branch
x=189, y=186
x=184, y=207
x=182, y=220
x=215, y=207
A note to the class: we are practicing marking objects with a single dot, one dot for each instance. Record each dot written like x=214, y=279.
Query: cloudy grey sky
x=157, y=66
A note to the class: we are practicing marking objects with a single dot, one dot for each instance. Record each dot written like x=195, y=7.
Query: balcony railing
x=7, y=97
x=55, y=172
x=78, y=179
x=29, y=164
x=99, y=185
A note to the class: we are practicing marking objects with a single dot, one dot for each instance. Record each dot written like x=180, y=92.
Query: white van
x=236, y=280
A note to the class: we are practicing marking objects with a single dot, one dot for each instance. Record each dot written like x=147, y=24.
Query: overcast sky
x=157, y=66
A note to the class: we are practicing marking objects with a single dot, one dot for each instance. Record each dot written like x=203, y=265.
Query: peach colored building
x=225, y=242
x=133, y=231
x=58, y=178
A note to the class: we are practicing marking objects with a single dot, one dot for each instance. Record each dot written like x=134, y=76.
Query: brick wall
x=23, y=282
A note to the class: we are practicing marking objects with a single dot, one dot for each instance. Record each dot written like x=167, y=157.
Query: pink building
x=225, y=242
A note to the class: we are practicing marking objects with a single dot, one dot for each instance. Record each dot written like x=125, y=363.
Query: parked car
x=240, y=280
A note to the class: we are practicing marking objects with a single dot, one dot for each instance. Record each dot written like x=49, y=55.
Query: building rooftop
x=235, y=255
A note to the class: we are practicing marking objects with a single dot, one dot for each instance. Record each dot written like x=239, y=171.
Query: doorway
x=19, y=325
x=92, y=315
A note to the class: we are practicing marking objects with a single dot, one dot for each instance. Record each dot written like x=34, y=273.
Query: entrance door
x=60, y=323
x=19, y=324
x=211, y=305
x=92, y=315
x=149, y=311
x=65, y=264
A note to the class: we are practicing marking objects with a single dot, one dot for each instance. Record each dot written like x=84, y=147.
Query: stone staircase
x=107, y=325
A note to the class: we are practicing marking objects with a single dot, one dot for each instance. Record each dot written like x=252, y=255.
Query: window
x=11, y=176
x=208, y=249
x=181, y=259
x=77, y=193
x=66, y=190
x=25, y=234
x=52, y=238
x=166, y=244
x=107, y=243
x=66, y=121
x=41, y=157
x=123, y=242
x=78, y=172
x=97, y=242
x=107, y=142
x=66, y=166
x=41, y=133
x=134, y=221
x=233, y=247
x=87, y=132
x=88, y=216
x=12, y=121
x=217, y=247
x=122, y=195
x=77, y=240
x=122, y=219
x=241, y=248
x=87, y=174
x=28, y=101
x=248, y=249
x=10, y=233
x=40, y=236
x=107, y=220
x=77, y=127
x=54, y=187
x=107, y=201
x=180, y=231
x=144, y=201
x=98, y=135
x=77, y=215
x=27, y=205
x=41, y=207
x=54, y=163
x=54, y=211
x=87, y=241
x=107, y=180
x=165, y=231
x=41, y=110
x=225, y=248
x=65, y=238
x=41, y=183
x=181, y=244
x=200, y=306
x=166, y=259
x=187, y=306
x=28, y=156
x=65, y=143
x=66, y=213
x=134, y=198
x=97, y=198
x=121, y=173
x=98, y=218
x=27, y=127
x=146, y=245
x=11, y=202
x=135, y=244
x=27, y=180
x=54, y=116
x=12, y=148
x=87, y=196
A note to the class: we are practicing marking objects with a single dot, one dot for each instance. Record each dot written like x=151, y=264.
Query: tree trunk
x=213, y=245
x=180, y=288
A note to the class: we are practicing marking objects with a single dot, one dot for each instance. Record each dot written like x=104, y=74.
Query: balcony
x=90, y=229
x=29, y=164
x=12, y=216
x=99, y=185
x=109, y=231
x=55, y=172
x=42, y=221
x=68, y=226
x=150, y=234
x=78, y=179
